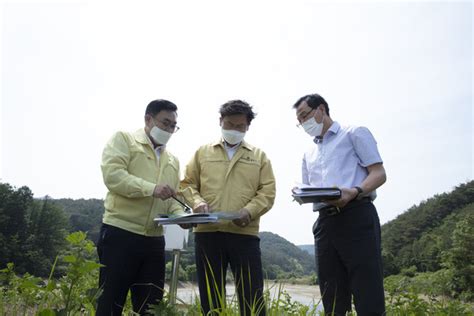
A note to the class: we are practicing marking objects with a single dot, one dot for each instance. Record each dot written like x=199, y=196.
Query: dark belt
x=334, y=210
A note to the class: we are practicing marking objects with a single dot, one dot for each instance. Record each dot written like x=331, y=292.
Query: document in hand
x=309, y=194
x=196, y=218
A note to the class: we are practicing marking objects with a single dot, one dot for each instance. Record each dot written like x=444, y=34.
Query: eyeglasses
x=168, y=125
x=237, y=127
x=303, y=118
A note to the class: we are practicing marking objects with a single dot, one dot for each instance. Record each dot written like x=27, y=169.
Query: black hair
x=156, y=106
x=236, y=107
x=313, y=101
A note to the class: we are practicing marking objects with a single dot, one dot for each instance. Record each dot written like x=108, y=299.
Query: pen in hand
x=187, y=209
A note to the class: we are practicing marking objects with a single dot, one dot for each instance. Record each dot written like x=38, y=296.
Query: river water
x=304, y=294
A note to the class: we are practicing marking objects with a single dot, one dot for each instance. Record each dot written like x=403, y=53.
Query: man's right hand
x=163, y=192
x=201, y=208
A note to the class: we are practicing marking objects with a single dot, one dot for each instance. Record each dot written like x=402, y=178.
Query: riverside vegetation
x=49, y=268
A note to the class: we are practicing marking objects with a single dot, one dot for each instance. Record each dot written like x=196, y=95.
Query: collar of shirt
x=333, y=129
x=143, y=138
x=243, y=143
x=158, y=150
x=229, y=147
x=231, y=150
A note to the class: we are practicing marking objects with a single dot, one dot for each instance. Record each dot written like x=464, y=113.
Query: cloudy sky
x=74, y=72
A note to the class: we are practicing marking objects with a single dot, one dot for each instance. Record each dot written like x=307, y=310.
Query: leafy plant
x=74, y=292
x=77, y=292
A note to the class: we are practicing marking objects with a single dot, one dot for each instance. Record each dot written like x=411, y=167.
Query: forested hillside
x=420, y=235
x=308, y=248
x=282, y=259
x=84, y=215
x=436, y=237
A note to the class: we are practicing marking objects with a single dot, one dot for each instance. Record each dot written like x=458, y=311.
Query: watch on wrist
x=359, y=192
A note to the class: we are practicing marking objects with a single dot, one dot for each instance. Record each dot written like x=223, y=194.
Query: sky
x=75, y=72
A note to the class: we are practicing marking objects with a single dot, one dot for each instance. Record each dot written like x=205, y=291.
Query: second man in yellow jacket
x=230, y=175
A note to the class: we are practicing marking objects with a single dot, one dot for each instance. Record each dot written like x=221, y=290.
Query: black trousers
x=131, y=262
x=214, y=252
x=349, y=260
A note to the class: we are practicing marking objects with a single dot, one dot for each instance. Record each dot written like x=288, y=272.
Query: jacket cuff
x=197, y=201
x=252, y=210
x=148, y=188
x=177, y=211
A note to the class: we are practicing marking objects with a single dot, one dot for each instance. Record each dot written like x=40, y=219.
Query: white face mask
x=232, y=137
x=312, y=127
x=160, y=136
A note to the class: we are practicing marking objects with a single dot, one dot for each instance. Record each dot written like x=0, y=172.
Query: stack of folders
x=195, y=218
x=309, y=194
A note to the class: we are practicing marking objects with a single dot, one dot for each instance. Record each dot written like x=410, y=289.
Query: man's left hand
x=244, y=218
x=348, y=194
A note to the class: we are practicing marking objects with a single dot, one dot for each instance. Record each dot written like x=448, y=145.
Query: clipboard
x=196, y=218
x=308, y=194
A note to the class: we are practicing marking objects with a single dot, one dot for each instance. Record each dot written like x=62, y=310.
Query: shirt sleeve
x=265, y=195
x=365, y=146
x=189, y=187
x=115, y=161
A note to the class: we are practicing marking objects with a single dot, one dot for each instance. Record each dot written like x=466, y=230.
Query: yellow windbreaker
x=131, y=171
x=245, y=181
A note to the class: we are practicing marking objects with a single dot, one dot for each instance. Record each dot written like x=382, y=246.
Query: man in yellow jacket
x=230, y=175
x=141, y=176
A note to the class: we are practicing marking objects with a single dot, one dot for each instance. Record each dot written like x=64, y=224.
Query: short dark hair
x=313, y=101
x=155, y=106
x=236, y=107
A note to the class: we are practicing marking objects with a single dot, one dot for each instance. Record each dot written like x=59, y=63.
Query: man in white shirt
x=347, y=232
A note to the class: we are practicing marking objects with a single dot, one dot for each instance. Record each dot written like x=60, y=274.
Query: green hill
x=282, y=259
x=84, y=215
x=308, y=248
x=430, y=247
x=419, y=236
